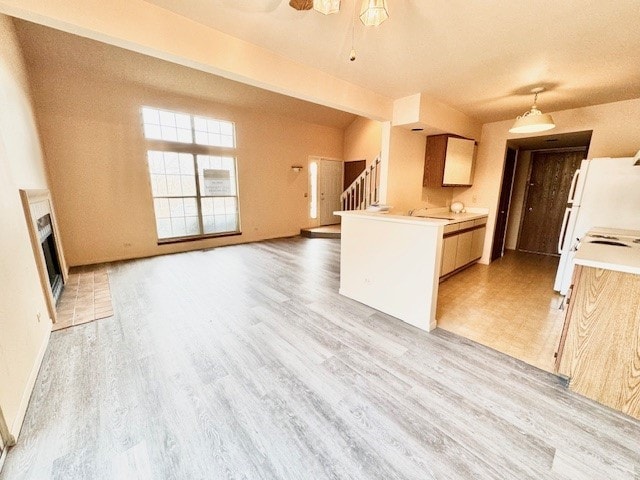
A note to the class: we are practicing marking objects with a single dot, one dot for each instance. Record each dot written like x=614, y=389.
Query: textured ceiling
x=481, y=57
x=53, y=50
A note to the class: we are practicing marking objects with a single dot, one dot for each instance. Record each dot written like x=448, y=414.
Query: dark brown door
x=352, y=170
x=546, y=199
x=503, y=207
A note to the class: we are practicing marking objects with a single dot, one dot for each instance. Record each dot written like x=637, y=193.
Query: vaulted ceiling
x=480, y=57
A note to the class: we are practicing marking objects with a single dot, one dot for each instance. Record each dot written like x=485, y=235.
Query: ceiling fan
x=301, y=4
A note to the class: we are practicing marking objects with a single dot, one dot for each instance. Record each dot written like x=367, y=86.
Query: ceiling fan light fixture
x=326, y=7
x=301, y=4
x=534, y=120
x=373, y=12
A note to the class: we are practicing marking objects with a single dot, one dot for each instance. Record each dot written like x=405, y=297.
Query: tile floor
x=509, y=306
x=86, y=297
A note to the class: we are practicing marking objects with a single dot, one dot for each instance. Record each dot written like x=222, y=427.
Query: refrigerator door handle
x=563, y=230
x=572, y=189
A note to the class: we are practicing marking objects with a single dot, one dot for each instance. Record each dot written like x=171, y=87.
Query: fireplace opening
x=47, y=241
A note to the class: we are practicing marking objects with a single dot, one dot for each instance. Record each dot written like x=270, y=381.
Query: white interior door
x=330, y=188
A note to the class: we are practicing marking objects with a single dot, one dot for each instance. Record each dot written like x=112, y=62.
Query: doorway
x=547, y=190
x=497, y=250
x=325, y=184
x=510, y=305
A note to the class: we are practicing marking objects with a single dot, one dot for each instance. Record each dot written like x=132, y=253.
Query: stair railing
x=364, y=190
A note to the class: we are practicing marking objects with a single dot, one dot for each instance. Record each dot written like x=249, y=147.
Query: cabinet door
x=458, y=163
x=477, y=243
x=463, y=252
x=449, y=248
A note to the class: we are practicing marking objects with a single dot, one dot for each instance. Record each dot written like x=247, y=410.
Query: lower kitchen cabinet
x=477, y=243
x=599, y=348
x=463, y=251
x=462, y=245
x=449, y=252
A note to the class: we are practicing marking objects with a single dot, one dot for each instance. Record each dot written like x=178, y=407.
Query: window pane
x=161, y=206
x=150, y=116
x=152, y=132
x=184, y=136
x=176, y=207
x=217, y=175
x=206, y=205
x=167, y=119
x=213, y=132
x=166, y=125
x=164, y=227
x=183, y=121
x=172, y=174
x=186, y=163
x=178, y=227
x=192, y=226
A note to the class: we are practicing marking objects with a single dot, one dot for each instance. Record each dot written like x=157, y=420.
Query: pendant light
x=373, y=12
x=326, y=6
x=533, y=120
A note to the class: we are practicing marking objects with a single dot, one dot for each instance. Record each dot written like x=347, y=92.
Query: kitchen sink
x=435, y=216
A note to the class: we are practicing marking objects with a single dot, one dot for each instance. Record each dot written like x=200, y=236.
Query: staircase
x=364, y=190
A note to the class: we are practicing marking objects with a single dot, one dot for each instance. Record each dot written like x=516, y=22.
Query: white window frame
x=193, y=149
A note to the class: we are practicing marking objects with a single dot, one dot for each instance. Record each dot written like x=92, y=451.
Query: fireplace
x=52, y=261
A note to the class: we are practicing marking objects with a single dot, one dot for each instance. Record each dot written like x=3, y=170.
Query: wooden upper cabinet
x=448, y=161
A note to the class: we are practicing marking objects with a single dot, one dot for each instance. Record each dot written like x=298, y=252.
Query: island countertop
x=436, y=217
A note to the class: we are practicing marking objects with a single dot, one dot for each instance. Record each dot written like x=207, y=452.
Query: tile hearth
x=86, y=297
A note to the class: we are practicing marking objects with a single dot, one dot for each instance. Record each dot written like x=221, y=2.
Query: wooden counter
x=600, y=346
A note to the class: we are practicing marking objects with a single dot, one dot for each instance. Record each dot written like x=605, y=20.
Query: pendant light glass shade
x=326, y=6
x=534, y=120
x=373, y=12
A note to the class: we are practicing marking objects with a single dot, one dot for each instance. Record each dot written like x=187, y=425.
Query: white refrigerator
x=605, y=192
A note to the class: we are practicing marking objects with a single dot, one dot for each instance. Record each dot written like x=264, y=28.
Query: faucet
x=413, y=210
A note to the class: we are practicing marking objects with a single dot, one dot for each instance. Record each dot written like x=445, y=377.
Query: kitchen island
x=392, y=262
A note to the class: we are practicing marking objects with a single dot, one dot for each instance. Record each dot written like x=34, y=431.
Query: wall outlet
x=474, y=199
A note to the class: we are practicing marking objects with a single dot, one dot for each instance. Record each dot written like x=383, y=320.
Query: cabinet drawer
x=480, y=221
x=467, y=224
x=454, y=227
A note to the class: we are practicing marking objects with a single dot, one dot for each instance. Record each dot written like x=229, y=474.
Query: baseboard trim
x=16, y=426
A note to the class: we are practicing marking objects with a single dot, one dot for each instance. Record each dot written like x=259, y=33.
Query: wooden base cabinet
x=462, y=245
x=449, y=252
x=599, y=348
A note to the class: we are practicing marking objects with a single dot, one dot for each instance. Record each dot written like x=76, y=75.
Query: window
x=192, y=172
x=313, y=181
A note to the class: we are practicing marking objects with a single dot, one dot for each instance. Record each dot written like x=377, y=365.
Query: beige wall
x=91, y=134
x=23, y=337
x=363, y=140
x=406, y=169
x=517, y=198
x=406, y=165
x=616, y=133
x=196, y=45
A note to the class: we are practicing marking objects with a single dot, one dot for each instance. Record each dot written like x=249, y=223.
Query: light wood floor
x=244, y=362
x=508, y=305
